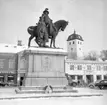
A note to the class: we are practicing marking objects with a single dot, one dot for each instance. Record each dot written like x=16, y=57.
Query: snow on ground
x=58, y=101
x=93, y=100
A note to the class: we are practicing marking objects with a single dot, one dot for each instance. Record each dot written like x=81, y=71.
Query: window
x=105, y=67
x=71, y=67
x=73, y=77
x=1, y=63
x=105, y=77
x=98, y=77
x=79, y=77
x=88, y=67
x=79, y=67
x=73, y=42
x=69, y=43
x=98, y=67
x=80, y=48
x=78, y=42
x=103, y=81
x=11, y=64
x=71, y=48
x=10, y=78
x=1, y=78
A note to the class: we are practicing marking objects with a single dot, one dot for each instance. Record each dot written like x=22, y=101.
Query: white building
x=77, y=69
x=74, y=46
x=89, y=71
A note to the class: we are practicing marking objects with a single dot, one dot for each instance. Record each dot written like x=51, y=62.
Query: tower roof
x=75, y=36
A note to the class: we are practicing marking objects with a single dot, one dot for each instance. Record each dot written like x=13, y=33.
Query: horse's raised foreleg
x=30, y=38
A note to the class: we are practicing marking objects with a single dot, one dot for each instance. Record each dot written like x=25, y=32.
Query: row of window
x=74, y=49
x=80, y=77
x=10, y=78
x=89, y=67
x=11, y=63
x=74, y=43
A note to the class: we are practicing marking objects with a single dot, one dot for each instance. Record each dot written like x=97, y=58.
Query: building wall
x=75, y=50
x=8, y=67
x=84, y=68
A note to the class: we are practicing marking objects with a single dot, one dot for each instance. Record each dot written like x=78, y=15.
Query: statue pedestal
x=42, y=67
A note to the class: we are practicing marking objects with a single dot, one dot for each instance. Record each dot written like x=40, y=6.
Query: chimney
x=19, y=42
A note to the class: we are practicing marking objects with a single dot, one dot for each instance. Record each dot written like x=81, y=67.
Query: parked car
x=73, y=83
x=92, y=84
x=100, y=84
x=2, y=84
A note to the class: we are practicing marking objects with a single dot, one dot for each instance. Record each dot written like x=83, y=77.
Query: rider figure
x=47, y=20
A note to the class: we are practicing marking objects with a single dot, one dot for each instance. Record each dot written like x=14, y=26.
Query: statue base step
x=46, y=89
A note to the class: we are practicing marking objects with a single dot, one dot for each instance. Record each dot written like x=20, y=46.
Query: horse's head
x=65, y=23
x=61, y=24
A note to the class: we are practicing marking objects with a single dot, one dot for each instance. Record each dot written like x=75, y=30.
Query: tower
x=74, y=46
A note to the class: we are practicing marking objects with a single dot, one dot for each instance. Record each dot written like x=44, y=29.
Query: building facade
x=89, y=71
x=9, y=63
x=8, y=68
x=78, y=69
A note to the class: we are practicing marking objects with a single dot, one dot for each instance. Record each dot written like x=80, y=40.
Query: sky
x=87, y=17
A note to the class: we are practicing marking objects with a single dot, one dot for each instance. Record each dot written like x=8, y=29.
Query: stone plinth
x=43, y=66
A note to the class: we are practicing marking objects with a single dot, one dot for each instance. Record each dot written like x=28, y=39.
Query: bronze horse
x=59, y=25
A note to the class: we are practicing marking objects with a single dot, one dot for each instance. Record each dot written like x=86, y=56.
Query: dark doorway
x=105, y=77
x=79, y=77
x=98, y=77
x=21, y=81
x=2, y=78
x=89, y=78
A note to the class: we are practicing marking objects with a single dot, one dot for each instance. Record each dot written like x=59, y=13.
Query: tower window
x=71, y=67
x=73, y=42
x=88, y=67
x=69, y=43
x=79, y=67
x=71, y=48
x=78, y=42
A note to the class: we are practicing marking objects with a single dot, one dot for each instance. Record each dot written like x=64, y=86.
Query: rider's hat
x=46, y=11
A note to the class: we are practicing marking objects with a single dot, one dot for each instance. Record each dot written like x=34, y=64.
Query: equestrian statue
x=45, y=29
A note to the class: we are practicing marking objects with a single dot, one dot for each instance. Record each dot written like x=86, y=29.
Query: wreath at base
x=48, y=89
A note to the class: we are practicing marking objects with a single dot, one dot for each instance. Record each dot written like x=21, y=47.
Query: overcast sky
x=87, y=17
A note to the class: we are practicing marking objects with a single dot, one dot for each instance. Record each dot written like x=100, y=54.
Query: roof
x=9, y=48
x=74, y=36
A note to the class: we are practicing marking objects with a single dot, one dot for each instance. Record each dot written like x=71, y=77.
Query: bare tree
x=92, y=55
x=103, y=55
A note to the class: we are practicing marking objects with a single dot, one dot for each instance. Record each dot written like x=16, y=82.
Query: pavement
x=9, y=93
